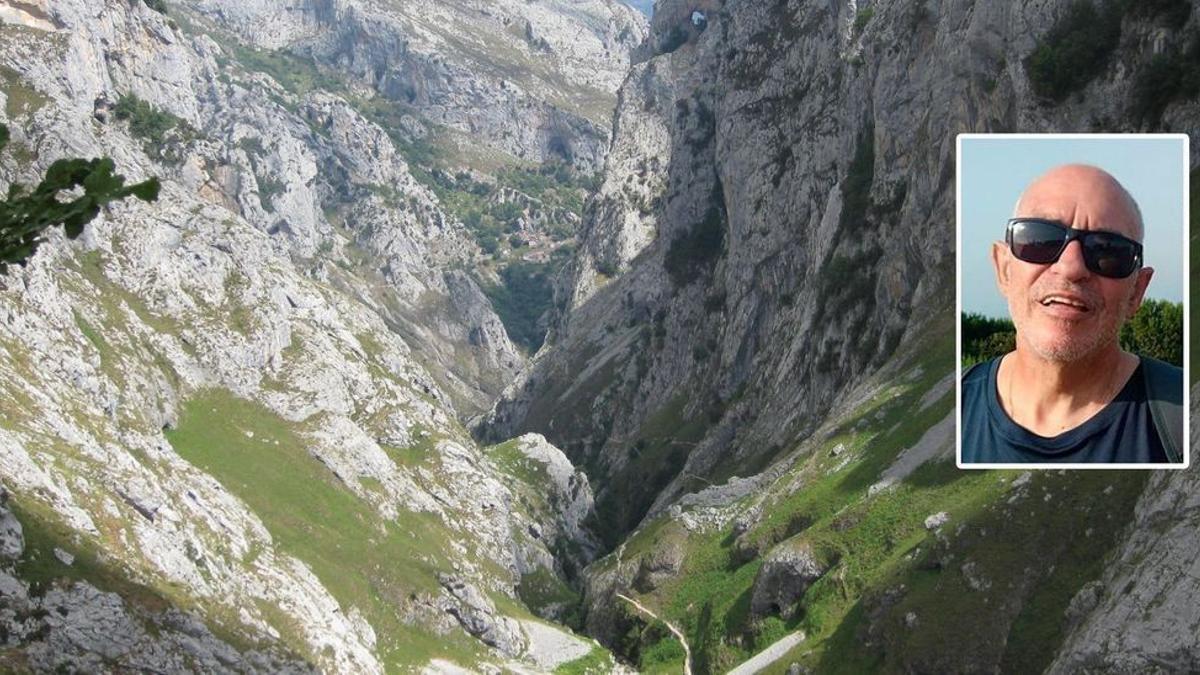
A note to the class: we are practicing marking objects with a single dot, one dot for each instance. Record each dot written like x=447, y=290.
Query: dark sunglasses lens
x=1038, y=243
x=1110, y=255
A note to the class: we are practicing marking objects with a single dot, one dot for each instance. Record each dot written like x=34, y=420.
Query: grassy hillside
x=1001, y=571
x=375, y=566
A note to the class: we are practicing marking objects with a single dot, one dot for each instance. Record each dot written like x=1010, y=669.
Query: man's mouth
x=1065, y=300
x=1066, y=304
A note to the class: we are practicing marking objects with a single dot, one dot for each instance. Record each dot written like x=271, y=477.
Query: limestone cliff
x=528, y=78
x=1141, y=614
x=764, y=289
x=235, y=412
x=790, y=226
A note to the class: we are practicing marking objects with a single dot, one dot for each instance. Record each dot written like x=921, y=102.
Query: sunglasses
x=1041, y=242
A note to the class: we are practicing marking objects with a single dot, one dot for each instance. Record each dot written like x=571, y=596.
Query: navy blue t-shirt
x=1123, y=431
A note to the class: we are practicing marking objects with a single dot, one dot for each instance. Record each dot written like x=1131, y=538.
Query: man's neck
x=1051, y=397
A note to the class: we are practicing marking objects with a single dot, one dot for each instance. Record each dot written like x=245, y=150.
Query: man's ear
x=1139, y=289
x=1000, y=263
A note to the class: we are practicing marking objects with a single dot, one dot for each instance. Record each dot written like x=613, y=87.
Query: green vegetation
x=596, y=662
x=268, y=189
x=1156, y=331
x=252, y=145
x=856, y=188
x=92, y=335
x=364, y=562
x=863, y=17
x=656, y=456
x=985, y=338
x=146, y=121
x=832, y=513
x=555, y=184
x=542, y=591
x=526, y=293
x=1166, y=78
x=491, y=211
x=43, y=532
x=956, y=589
x=1173, y=13
x=108, y=329
x=1075, y=50
x=156, y=127
x=498, y=210
x=662, y=653
x=606, y=268
x=297, y=74
x=509, y=459
x=21, y=98
x=157, y=5
x=694, y=251
x=25, y=215
x=848, y=281
x=884, y=563
x=95, y=563
x=850, y=277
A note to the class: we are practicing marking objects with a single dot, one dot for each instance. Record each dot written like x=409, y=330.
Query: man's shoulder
x=1164, y=397
x=975, y=392
x=1165, y=376
x=978, y=373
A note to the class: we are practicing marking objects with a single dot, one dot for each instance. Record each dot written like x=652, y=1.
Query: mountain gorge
x=754, y=364
x=457, y=323
x=239, y=409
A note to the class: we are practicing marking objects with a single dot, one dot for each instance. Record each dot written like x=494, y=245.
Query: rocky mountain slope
x=764, y=289
x=233, y=422
x=230, y=428
x=784, y=228
x=531, y=79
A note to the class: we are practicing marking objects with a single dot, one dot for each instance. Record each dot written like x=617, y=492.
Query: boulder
x=936, y=520
x=477, y=614
x=12, y=537
x=786, y=573
x=659, y=565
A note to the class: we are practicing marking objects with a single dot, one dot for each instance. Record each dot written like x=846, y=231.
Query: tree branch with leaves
x=25, y=214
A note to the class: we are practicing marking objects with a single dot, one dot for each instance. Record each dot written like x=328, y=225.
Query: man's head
x=1062, y=310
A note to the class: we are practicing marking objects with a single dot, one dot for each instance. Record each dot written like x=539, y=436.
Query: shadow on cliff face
x=719, y=351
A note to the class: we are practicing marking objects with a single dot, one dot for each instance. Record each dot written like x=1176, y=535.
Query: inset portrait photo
x=1072, y=300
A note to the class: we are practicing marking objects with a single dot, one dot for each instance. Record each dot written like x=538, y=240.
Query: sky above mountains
x=644, y=6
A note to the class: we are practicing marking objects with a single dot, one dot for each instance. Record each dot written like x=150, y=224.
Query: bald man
x=1071, y=269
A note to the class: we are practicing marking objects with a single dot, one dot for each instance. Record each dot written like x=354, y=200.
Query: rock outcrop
x=524, y=78
x=73, y=626
x=478, y=616
x=659, y=565
x=786, y=573
x=622, y=216
x=568, y=496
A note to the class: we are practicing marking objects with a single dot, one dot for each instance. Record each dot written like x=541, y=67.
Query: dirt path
x=769, y=655
x=687, y=651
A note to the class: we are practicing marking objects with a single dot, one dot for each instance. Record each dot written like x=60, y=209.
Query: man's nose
x=1071, y=264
